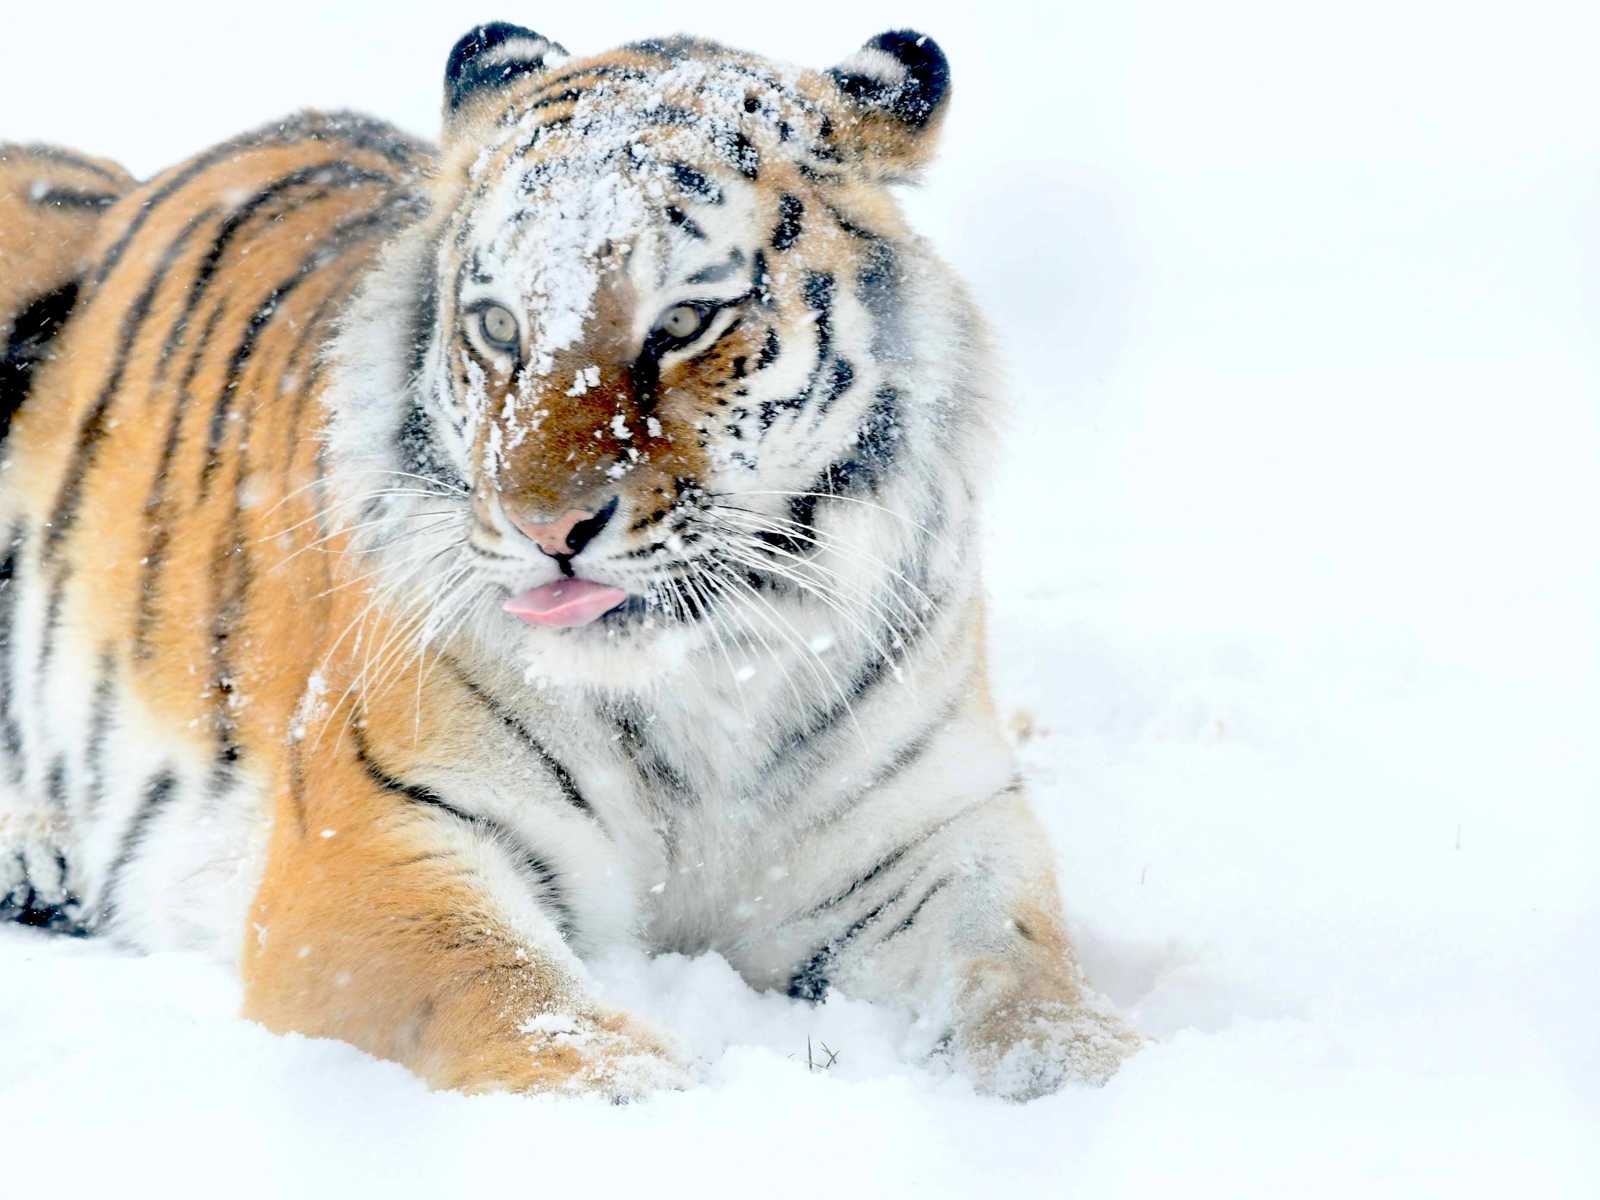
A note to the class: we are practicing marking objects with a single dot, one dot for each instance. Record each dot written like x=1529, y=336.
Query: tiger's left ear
x=894, y=90
x=490, y=57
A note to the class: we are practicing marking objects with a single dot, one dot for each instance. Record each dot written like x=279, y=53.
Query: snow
x=1293, y=591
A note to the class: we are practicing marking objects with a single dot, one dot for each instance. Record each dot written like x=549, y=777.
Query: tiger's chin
x=632, y=648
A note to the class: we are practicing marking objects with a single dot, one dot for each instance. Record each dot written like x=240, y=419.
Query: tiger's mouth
x=580, y=603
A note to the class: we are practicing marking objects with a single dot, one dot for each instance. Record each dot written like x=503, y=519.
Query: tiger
x=428, y=568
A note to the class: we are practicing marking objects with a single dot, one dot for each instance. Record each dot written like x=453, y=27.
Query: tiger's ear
x=894, y=91
x=488, y=58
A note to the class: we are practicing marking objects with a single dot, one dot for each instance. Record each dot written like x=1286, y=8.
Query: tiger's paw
x=1028, y=1048
x=599, y=1054
x=35, y=888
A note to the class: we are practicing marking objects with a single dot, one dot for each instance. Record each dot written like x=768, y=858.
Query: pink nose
x=553, y=537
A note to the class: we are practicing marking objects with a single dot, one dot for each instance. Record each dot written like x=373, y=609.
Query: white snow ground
x=1294, y=570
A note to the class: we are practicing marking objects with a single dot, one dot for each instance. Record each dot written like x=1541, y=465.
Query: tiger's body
x=273, y=473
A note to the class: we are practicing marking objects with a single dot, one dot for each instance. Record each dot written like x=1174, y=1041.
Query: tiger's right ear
x=894, y=91
x=489, y=57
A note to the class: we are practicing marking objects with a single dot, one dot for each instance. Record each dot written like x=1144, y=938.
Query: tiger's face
x=664, y=305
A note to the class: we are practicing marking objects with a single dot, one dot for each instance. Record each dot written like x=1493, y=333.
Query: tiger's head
x=665, y=366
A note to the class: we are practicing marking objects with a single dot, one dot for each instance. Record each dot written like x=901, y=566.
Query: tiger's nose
x=569, y=533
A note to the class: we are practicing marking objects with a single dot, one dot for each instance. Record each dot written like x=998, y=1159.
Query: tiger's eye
x=680, y=321
x=499, y=326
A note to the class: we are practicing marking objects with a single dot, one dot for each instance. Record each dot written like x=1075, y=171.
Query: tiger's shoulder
x=170, y=401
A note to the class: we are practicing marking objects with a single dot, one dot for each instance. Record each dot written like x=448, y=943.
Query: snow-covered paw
x=600, y=1054
x=1031, y=1049
x=35, y=888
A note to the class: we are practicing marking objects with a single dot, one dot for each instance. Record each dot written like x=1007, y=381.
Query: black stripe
x=867, y=678
x=100, y=716
x=343, y=128
x=908, y=753
x=905, y=756
x=660, y=780
x=741, y=152
x=916, y=909
x=685, y=222
x=841, y=379
x=818, y=293
x=61, y=197
x=850, y=227
x=316, y=328
x=425, y=309
x=10, y=730
x=710, y=351
x=787, y=231
x=872, y=454
x=566, y=96
x=28, y=344
x=155, y=505
x=631, y=722
x=811, y=981
x=812, y=175
x=719, y=272
x=158, y=793
x=345, y=235
x=417, y=440
x=807, y=738
x=696, y=184
x=563, y=777
x=332, y=172
x=885, y=863
x=230, y=577
x=55, y=784
x=769, y=349
x=556, y=81
x=92, y=429
x=52, y=622
x=878, y=289
x=644, y=373
x=232, y=569
x=761, y=280
x=348, y=177
x=543, y=872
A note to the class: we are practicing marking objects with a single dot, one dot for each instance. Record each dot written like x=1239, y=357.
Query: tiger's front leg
x=399, y=927
x=962, y=923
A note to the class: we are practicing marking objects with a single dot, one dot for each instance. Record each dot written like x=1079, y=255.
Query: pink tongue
x=565, y=602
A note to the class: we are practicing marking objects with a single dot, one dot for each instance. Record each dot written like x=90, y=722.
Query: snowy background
x=1295, y=581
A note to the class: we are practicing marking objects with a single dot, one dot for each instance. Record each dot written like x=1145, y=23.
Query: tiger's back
x=162, y=460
